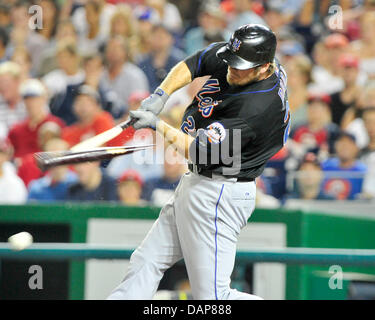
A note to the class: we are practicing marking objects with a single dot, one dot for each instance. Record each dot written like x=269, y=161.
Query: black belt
x=208, y=174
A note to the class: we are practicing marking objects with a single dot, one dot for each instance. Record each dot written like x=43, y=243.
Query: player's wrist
x=162, y=94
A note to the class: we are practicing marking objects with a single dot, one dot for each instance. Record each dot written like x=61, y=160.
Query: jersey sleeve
x=220, y=144
x=204, y=62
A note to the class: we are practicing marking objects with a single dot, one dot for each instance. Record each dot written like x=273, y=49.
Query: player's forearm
x=177, y=78
x=177, y=138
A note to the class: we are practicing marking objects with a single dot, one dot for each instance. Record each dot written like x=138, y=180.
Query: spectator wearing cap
x=55, y=184
x=319, y=133
x=12, y=107
x=162, y=58
x=64, y=81
x=309, y=178
x=211, y=28
x=24, y=135
x=278, y=16
x=12, y=189
x=120, y=74
x=129, y=188
x=348, y=96
x=92, y=120
x=344, y=173
x=93, y=184
x=324, y=73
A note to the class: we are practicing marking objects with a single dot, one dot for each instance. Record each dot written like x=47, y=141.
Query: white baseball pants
x=201, y=224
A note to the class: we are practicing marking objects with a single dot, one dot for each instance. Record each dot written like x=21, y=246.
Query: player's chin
x=233, y=81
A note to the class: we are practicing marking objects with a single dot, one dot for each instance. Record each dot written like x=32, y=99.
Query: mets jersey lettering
x=205, y=103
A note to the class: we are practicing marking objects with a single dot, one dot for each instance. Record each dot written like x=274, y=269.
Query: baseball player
x=238, y=120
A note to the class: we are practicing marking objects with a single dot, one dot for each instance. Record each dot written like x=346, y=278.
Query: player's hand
x=146, y=119
x=155, y=102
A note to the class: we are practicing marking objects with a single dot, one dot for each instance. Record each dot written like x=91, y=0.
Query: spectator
x=92, y=120
x=24, y=135
x=124, y=25
x=243, y=14
x=344, y=173
x=23, y=36
x=162, y=57
x=211, y=29
x=277, y=17
x=346, y=98
x=368, y=117
x=65, y=32
x=63, y=82
x=93, y=184
x=93, y=39
x=158, y=190
x=93, y=68
x=352, y=120
x=51, y=12
x=27, y=168
x=12, y=107
x=168, y=14
x=309, y=177
x=97, y=12
x=121, y=75
x=324, y=73
x=319, y=133
x=53, y=186
x=12, y=189
x=129, y=188
x=367, y=154
x=299, y=77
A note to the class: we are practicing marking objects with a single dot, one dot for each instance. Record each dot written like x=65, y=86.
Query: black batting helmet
x=249, y=46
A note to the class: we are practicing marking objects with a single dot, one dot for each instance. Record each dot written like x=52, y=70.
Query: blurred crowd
x=90, y=62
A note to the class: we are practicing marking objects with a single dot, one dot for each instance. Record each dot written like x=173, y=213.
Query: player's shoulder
x=260, y=99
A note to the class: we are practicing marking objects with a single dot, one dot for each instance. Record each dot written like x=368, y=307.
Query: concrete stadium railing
x=82, y=251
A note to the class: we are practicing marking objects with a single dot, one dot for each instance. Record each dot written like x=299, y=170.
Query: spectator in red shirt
x=28, y=170
x=318, y=133
x=24, y=135
x=92, y=120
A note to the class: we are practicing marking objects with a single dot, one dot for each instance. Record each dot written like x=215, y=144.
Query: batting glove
x=146, y=119
x=155, y=102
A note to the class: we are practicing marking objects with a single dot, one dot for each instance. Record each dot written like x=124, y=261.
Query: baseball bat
x=103, y=137
x=46, y=160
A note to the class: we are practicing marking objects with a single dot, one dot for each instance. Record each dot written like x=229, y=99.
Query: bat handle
x=127, y=123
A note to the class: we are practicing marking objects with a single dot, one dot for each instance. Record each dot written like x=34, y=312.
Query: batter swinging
x=241, y=114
